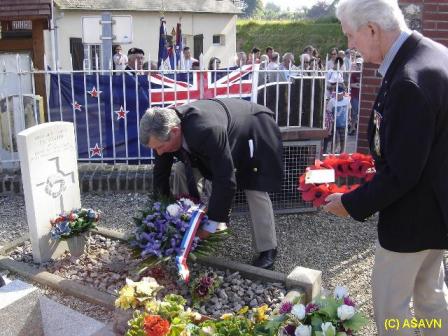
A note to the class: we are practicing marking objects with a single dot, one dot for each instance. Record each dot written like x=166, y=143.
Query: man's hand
x=211, y=227
x=334, y=205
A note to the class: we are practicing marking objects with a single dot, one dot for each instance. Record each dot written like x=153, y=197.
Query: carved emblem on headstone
x=56, y=183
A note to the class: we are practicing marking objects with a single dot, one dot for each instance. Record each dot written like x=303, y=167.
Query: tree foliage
x=252, y=8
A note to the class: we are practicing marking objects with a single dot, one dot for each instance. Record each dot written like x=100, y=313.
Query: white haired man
x=286, y=67
x=234, y=143
x=408, y=137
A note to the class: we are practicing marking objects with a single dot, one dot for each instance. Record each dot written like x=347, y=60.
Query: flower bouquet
x=73, y=223
x=168, y=316
x=326, y=316
x=159, y=236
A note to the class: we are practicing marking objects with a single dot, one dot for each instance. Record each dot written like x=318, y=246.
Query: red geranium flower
x=154, y=325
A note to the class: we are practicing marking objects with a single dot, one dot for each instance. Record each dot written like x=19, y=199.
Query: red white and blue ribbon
x=187, y=242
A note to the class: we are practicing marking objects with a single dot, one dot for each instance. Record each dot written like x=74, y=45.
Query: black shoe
x=265, y=259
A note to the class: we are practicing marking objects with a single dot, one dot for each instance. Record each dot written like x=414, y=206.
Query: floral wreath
x=345, y=165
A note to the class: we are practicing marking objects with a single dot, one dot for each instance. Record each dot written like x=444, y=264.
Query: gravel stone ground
x=342, y=249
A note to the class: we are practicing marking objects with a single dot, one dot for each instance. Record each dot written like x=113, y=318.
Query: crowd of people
x=341, y=68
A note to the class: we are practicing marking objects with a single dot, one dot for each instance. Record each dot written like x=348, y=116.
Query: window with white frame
x=92, y=56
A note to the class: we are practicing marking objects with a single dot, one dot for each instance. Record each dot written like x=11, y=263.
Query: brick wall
x=429, y=17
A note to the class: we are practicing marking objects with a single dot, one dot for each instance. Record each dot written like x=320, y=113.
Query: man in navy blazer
x=233, y=143
x=408, y=137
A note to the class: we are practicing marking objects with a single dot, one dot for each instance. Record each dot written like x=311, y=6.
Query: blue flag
x=163, y=45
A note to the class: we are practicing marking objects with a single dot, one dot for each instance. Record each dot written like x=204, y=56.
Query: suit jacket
x=218, y=133
x=410, y=187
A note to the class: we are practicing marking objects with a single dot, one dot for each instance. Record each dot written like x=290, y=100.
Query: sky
x=293, y=4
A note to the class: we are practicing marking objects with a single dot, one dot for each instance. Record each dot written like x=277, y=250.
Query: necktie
x=191, y=182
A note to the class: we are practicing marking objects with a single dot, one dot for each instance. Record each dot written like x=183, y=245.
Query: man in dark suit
x=233, y=143
x=408, y=137
x=136, y=58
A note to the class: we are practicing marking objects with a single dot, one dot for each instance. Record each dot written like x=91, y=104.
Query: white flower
x=340, y=292
x=186, y=201
x=303, y=330
x=346, y=312
x=328, y=329
x=173, y=209
x=298, y=311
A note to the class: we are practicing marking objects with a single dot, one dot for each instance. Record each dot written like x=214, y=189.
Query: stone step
x=24, y=311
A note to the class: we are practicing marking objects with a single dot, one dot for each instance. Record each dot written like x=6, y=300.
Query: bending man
x=234, y=144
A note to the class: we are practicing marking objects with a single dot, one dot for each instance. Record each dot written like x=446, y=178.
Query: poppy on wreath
x=345, y=165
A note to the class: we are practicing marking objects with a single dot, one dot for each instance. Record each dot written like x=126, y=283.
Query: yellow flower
x=152, y=306
x=243, y=310
x=127, y=298
x=226, y=316
x=146, y=287
x=261, y=313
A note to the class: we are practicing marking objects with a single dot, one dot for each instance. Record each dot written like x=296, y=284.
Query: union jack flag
x=176, y=89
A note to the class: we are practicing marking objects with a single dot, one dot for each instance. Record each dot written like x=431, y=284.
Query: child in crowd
x=337, y=109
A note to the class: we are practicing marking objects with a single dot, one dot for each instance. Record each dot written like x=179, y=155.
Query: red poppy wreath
x=345, y=165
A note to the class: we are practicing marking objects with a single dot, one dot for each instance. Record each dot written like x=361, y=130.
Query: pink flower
x=285, y=307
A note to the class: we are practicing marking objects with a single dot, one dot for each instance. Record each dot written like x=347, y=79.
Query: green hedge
x=291, y=36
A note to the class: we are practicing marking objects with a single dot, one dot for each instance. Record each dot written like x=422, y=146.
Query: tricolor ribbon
x=187, y=242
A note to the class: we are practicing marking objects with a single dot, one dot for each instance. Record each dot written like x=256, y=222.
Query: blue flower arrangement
x=73, y=223
x=161, y=228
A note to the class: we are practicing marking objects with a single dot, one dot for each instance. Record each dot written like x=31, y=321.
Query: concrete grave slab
x=21, y=316
x=60, y=320
x=13, y=291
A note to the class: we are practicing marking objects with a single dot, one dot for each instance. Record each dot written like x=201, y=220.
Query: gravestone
x=48, y=161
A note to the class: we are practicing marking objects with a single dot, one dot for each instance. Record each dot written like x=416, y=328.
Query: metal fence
x=105, y=106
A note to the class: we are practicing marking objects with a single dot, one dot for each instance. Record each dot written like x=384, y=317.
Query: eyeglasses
x=333, y=54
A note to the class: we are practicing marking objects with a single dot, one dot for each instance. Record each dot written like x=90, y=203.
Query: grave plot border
x=302, y=280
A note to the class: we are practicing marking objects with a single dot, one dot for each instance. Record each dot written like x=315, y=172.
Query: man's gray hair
x=288, y=56
x=157, y=122
x=386, y=13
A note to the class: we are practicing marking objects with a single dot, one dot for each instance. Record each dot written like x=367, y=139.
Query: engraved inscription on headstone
x=48, y=162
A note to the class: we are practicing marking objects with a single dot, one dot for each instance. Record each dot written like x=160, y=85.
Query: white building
x=208, y=27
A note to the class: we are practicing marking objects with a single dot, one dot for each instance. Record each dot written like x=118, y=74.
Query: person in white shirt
x=287, y=66
x=186, y=62
x=120, y=59
x=273, y=67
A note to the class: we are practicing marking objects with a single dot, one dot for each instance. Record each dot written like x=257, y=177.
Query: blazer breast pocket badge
x=377, y=118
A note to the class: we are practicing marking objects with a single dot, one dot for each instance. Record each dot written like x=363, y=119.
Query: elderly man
x=233, y=143
x=286, y=66
x=408, y=137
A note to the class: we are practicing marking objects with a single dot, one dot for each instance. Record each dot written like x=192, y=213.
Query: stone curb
x=66, y=286
x=11, y=245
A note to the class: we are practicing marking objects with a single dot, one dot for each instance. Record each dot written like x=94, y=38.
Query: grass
x=290, y=36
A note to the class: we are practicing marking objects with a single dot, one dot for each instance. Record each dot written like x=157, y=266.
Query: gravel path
x=342, y=248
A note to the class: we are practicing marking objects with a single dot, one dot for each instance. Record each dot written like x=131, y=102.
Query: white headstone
x=48, y=161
